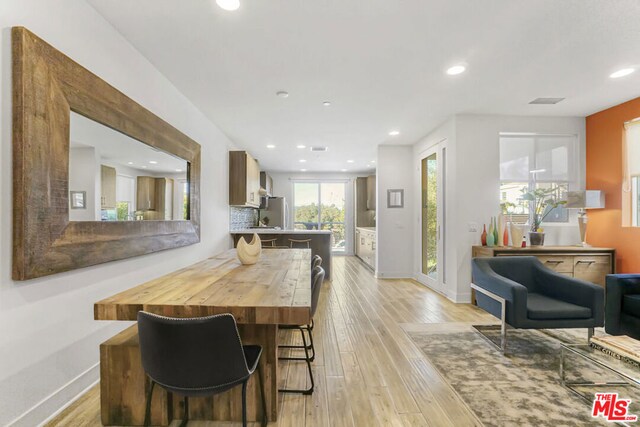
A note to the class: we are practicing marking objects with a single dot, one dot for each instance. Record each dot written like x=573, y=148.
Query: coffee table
x=627, y=374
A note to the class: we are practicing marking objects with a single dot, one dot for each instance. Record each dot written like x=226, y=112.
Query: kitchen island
x=320, y=243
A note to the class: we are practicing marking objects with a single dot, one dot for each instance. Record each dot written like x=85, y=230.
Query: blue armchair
x=525, y=294
x=622, y=309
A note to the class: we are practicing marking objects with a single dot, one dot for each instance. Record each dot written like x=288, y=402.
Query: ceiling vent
x=319, y=149
x=546, y=101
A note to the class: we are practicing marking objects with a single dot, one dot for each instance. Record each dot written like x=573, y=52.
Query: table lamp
x=583, y=200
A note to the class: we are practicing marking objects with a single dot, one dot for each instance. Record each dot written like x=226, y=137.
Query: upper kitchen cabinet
x=244, y=180
x=108, y=187
x=371, y=192
x=266, y=182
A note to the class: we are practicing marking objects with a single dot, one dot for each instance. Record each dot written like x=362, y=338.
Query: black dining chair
x=316, y=261
x=200, y=356
x=317, y=279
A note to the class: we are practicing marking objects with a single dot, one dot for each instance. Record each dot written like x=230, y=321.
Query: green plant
x=544, y=200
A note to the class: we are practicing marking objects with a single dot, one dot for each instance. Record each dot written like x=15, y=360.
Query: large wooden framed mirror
x=96, y=176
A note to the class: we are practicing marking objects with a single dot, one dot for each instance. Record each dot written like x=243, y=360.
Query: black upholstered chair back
x=317, y=278
x=520, y=269
x=316, y=261
x=190, y=354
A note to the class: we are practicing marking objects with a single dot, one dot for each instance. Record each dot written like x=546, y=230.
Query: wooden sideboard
x=586, y=263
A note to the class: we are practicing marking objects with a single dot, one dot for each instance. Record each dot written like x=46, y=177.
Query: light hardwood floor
x=367, y=370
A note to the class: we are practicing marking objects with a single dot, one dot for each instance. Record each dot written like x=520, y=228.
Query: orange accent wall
x=604, y=172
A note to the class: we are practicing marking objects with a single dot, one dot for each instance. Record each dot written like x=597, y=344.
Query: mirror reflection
x=113, y=177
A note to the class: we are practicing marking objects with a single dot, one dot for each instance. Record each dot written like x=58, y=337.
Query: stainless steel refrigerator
x=276, y=213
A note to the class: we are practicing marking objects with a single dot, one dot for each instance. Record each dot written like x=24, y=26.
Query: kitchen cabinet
x=244, y=180
x=366, y=246
x=266, y=182
x=146, y=193
x=107, y=187
x=371, y=192
x=364, y=216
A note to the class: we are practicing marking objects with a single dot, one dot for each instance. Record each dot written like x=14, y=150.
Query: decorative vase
x=483, y=236
x=536, y=238
x=491, y=237
x=249, y=253
x=500, y=230
x=496, y=233
x=516, y=234
x=505, y=236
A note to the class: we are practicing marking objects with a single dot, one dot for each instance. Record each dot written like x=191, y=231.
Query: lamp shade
x=589, y=199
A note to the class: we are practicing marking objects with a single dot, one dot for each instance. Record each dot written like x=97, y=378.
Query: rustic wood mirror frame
x=47, y=86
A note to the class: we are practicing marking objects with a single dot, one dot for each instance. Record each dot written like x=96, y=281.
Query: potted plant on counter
x=542, y=201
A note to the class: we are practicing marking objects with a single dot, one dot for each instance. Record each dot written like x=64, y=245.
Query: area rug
x=520, y=388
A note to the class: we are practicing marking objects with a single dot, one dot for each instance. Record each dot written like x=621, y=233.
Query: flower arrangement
x=544, y=201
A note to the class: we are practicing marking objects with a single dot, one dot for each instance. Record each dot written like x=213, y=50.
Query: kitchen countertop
x=273, y=231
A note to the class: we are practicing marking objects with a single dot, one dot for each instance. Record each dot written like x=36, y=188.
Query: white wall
x=395, y=230
x=48, y=338
x=283, y=187
x=474, y=179
x=84, y=175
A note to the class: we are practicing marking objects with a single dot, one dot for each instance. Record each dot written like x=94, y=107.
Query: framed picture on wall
x=78, y=199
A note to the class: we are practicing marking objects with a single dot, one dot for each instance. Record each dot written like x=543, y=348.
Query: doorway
x=431, y=217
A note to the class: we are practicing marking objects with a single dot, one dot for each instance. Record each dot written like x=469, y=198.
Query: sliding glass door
x=321, y=206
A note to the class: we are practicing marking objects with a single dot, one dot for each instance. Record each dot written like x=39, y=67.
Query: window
x=125, y=189
x=530, y=161
x=631, y=183
x=321, y=206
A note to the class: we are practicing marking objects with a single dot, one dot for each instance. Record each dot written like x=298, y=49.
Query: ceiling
x=117, y=148
x=381, y=64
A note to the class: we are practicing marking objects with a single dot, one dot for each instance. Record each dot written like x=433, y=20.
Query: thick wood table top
x=276, y=290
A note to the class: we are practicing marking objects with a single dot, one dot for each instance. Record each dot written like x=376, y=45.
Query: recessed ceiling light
x=178, y=170
x=373, y=161
x=326, y=103
x=153, y=162
x=621, y=73
x=282, y=94
x=456, y=69
x=343, y=170
x=271, y=146
x=303, y=170
x=301, y=146
x=144, y=167
x=349, y=161
x=394, y=133
x=228, y=4
x=302, y=161
x=129, y=163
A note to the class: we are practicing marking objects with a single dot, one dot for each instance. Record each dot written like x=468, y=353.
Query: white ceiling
x=381, y=64
x=117, y=148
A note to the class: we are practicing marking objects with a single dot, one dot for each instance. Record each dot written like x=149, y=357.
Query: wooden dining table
x=276, y=290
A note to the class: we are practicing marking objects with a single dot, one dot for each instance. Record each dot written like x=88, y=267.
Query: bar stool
x=299, y=242
x=316, y=261
x=316, y=284
x=269, y=243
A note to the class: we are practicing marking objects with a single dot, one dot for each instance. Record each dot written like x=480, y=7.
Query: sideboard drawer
x=592, y=268
x=558, y=263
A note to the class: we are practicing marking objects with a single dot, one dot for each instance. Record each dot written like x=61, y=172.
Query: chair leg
x=147, y=412
x=244, y=404
x=312, y=347
x=307, y=359
x=265, y=416
x=589, y=334
x=185, y=420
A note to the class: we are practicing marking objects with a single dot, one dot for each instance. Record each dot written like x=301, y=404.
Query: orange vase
x=483, y=237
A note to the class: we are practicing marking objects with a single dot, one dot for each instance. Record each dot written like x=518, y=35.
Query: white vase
x=249, y=253
x=516, y=235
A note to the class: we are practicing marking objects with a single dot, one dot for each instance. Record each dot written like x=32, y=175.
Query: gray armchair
x=525, y=294
x=622, y=310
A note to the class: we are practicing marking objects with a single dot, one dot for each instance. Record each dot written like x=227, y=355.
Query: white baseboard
x=56, y=402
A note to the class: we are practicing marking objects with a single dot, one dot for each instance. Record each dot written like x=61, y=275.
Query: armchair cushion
x=631, y=304
x=541, y=307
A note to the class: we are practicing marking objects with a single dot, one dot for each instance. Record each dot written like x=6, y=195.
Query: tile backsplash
x=241, y=218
